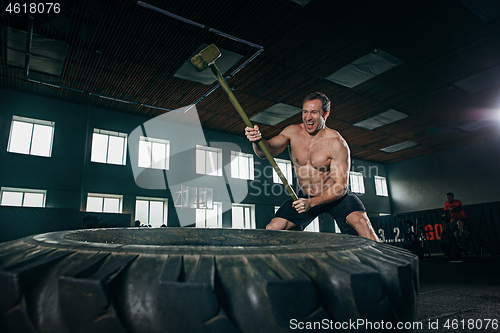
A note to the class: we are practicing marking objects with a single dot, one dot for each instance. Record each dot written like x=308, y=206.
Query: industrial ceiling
x=406, y=78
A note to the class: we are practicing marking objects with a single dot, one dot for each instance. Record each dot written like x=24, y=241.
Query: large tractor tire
x=204, y=280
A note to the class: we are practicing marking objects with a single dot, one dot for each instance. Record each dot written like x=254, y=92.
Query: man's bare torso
x=317, y=158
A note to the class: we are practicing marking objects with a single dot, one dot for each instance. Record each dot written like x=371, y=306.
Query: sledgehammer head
x=206, y=57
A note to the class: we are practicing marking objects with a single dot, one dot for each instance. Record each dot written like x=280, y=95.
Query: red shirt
x=455, y=215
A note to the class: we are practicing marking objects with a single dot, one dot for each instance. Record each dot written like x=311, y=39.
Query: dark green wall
x=375, y=205
x=69, y=175
x=470, y=172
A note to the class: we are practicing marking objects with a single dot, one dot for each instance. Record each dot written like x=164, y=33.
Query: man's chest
x=314, y=155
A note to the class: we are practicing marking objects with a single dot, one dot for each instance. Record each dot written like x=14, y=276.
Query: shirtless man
x=322, y=161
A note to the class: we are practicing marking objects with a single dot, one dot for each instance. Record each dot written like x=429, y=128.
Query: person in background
x=456, y=213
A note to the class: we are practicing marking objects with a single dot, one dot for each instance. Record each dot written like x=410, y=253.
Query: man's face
x=313, y=117
x=450, y=198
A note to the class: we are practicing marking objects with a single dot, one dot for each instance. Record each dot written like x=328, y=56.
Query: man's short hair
x=450, y=194
x=317, y=95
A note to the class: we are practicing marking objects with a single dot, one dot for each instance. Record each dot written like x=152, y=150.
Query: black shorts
x=454, y=224
x=338, y=209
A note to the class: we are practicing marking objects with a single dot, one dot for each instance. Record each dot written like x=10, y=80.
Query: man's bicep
x=340, y=163
x=340, y=172
x=279, y=143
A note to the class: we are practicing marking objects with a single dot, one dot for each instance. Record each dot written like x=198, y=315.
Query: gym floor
x=462, y=296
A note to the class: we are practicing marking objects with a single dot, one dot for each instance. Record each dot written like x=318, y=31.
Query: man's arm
x=275, y=145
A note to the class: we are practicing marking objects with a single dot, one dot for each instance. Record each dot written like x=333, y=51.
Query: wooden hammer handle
x=247, y=122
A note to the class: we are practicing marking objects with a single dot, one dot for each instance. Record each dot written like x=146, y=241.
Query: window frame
x=203, y=170
x=360, y=188
x=288, y=173
x=313, y=226
x=33, y=122
x=150, y=153
x=24, y=191
x=198, y=222
x=104, y=196
x=251, y=213
x=383, y=186
x=164, y=201
x=236, y=159
x=109, y=134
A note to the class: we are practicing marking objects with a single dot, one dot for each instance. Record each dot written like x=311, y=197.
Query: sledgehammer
x=206, y=58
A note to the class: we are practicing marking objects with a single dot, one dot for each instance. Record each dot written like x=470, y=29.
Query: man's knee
x=276, y=224
x=361, y=223
x=270, y=226
x=279, y=223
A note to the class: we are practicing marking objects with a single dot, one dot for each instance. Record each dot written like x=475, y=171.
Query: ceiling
x=122, y=55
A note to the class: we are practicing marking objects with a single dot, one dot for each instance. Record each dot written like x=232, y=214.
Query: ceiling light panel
x=399, y=146
x=382, y=119
x=476, y=125
x=365, y=68
x=47, y=55
x=302, y=3
x=480, y=81
x=484, y=9
x=275, y=114
x=227, y=60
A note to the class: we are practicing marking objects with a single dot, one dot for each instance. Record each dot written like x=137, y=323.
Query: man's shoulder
x=333, y=134
x=334, y=137
x=292, y=129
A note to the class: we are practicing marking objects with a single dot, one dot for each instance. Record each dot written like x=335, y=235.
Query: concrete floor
x=459, y=296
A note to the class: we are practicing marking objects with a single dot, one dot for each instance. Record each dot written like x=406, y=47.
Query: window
x=154, y=153
x=337, y=229
x=208, y=161
x=243, y=216
x=22, y=197
x=241, y=165
x=31, y=136
x=381, y=186
x=286, y=169
x=209, y=218
x=357, y=183
x=109, y=147
x=151, y=211
x=104, y=203
x=313, y=226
